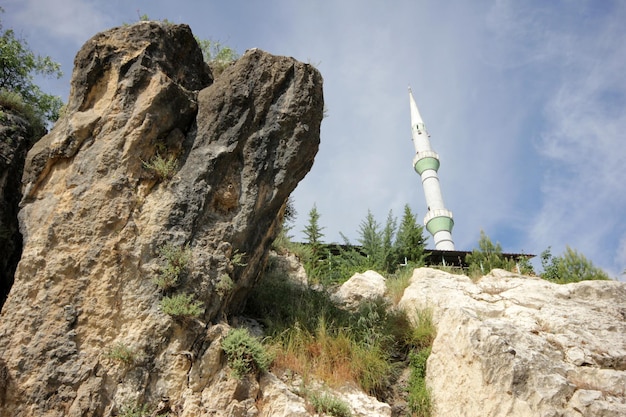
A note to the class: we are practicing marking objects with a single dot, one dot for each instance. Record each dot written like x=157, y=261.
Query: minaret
x=438, y=220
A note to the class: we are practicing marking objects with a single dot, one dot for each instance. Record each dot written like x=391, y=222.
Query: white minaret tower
x=438, y=220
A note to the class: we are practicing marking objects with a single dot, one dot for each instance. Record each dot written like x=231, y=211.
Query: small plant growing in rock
x=224, y=284
x=237, y=258
x=131, y=409
x=245, y=354
x=163, y=168
x=122, y=353
x=327, y=404
x=177, y=260
x=181, y=306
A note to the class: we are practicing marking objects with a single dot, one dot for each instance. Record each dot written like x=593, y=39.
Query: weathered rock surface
x=511, y=345
x=93, y=219
x=369, y=285
x=16, y=136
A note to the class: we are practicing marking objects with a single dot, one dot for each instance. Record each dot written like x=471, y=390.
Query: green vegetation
x=328, y=404
x=181, y=306
x=176, y=260
x=312, y=336
x=18, y=92
x=382, y=249
x=572, y=266
x=162, y=168
x=218, y=56
x=487, y=257
x=122, y=353
x=134, y=410
x=245, y=354
x=224, y=284
x=420, y=402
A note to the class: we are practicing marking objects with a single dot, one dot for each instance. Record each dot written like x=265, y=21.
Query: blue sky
x=525, y=103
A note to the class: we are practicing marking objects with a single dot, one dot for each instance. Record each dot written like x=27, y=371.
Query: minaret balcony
x=438, y=220
x=426, y=160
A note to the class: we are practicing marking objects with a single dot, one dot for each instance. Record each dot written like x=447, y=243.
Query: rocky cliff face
x=95, y=218
x=511, y=345
x=16, y=136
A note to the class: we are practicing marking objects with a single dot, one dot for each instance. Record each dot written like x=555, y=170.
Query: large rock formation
x=17, y=134
x=519, y=346
x=94, y=218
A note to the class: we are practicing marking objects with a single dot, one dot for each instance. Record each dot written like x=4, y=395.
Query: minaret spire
x=438, y=219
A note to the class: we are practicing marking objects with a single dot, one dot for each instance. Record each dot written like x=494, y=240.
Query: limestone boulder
x=511, y=345
x=369, y=285
x=96, y=216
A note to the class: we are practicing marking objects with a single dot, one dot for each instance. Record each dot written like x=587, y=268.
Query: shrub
x=177, y=260
x=572, y=266
x=327, y=404
x=131, y=409
x=224, y=284
x=487, y=257
x=245, y=354
x=121, y=352
x=181, y=306
x=163, y=168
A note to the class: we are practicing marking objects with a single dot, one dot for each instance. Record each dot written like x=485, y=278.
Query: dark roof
x=457, y=257
x=433, y=256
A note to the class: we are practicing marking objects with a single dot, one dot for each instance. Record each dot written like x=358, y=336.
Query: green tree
x=572, y=266
x=487, y=257
x=371, y=240
x=313, y=230
x=18, y=65
x=314, y=235
x=410, y=240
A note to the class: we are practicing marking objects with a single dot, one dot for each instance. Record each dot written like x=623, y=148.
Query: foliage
x=410, y=240
x=525, y=267
x=134, y=410
x=328, y=404
x=177, y=260
x=181, y=306
x=163, y=168
x=312, y=336
x=313, y=231
x=314, y=235
x=572, y=266
x=245, y=354
x=18, y=64
x=420, y=402
x=122, y=353
x=487, y=257
x=224, y=284
x=218, y=56
x=398, y=281
x=237, y=258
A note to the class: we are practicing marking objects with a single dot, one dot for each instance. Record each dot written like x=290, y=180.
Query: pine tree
x=313, y=231
x=410, y=240
x=371, y=240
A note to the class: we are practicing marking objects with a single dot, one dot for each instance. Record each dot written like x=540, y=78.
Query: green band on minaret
x=426, y=163
x=437, y=224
